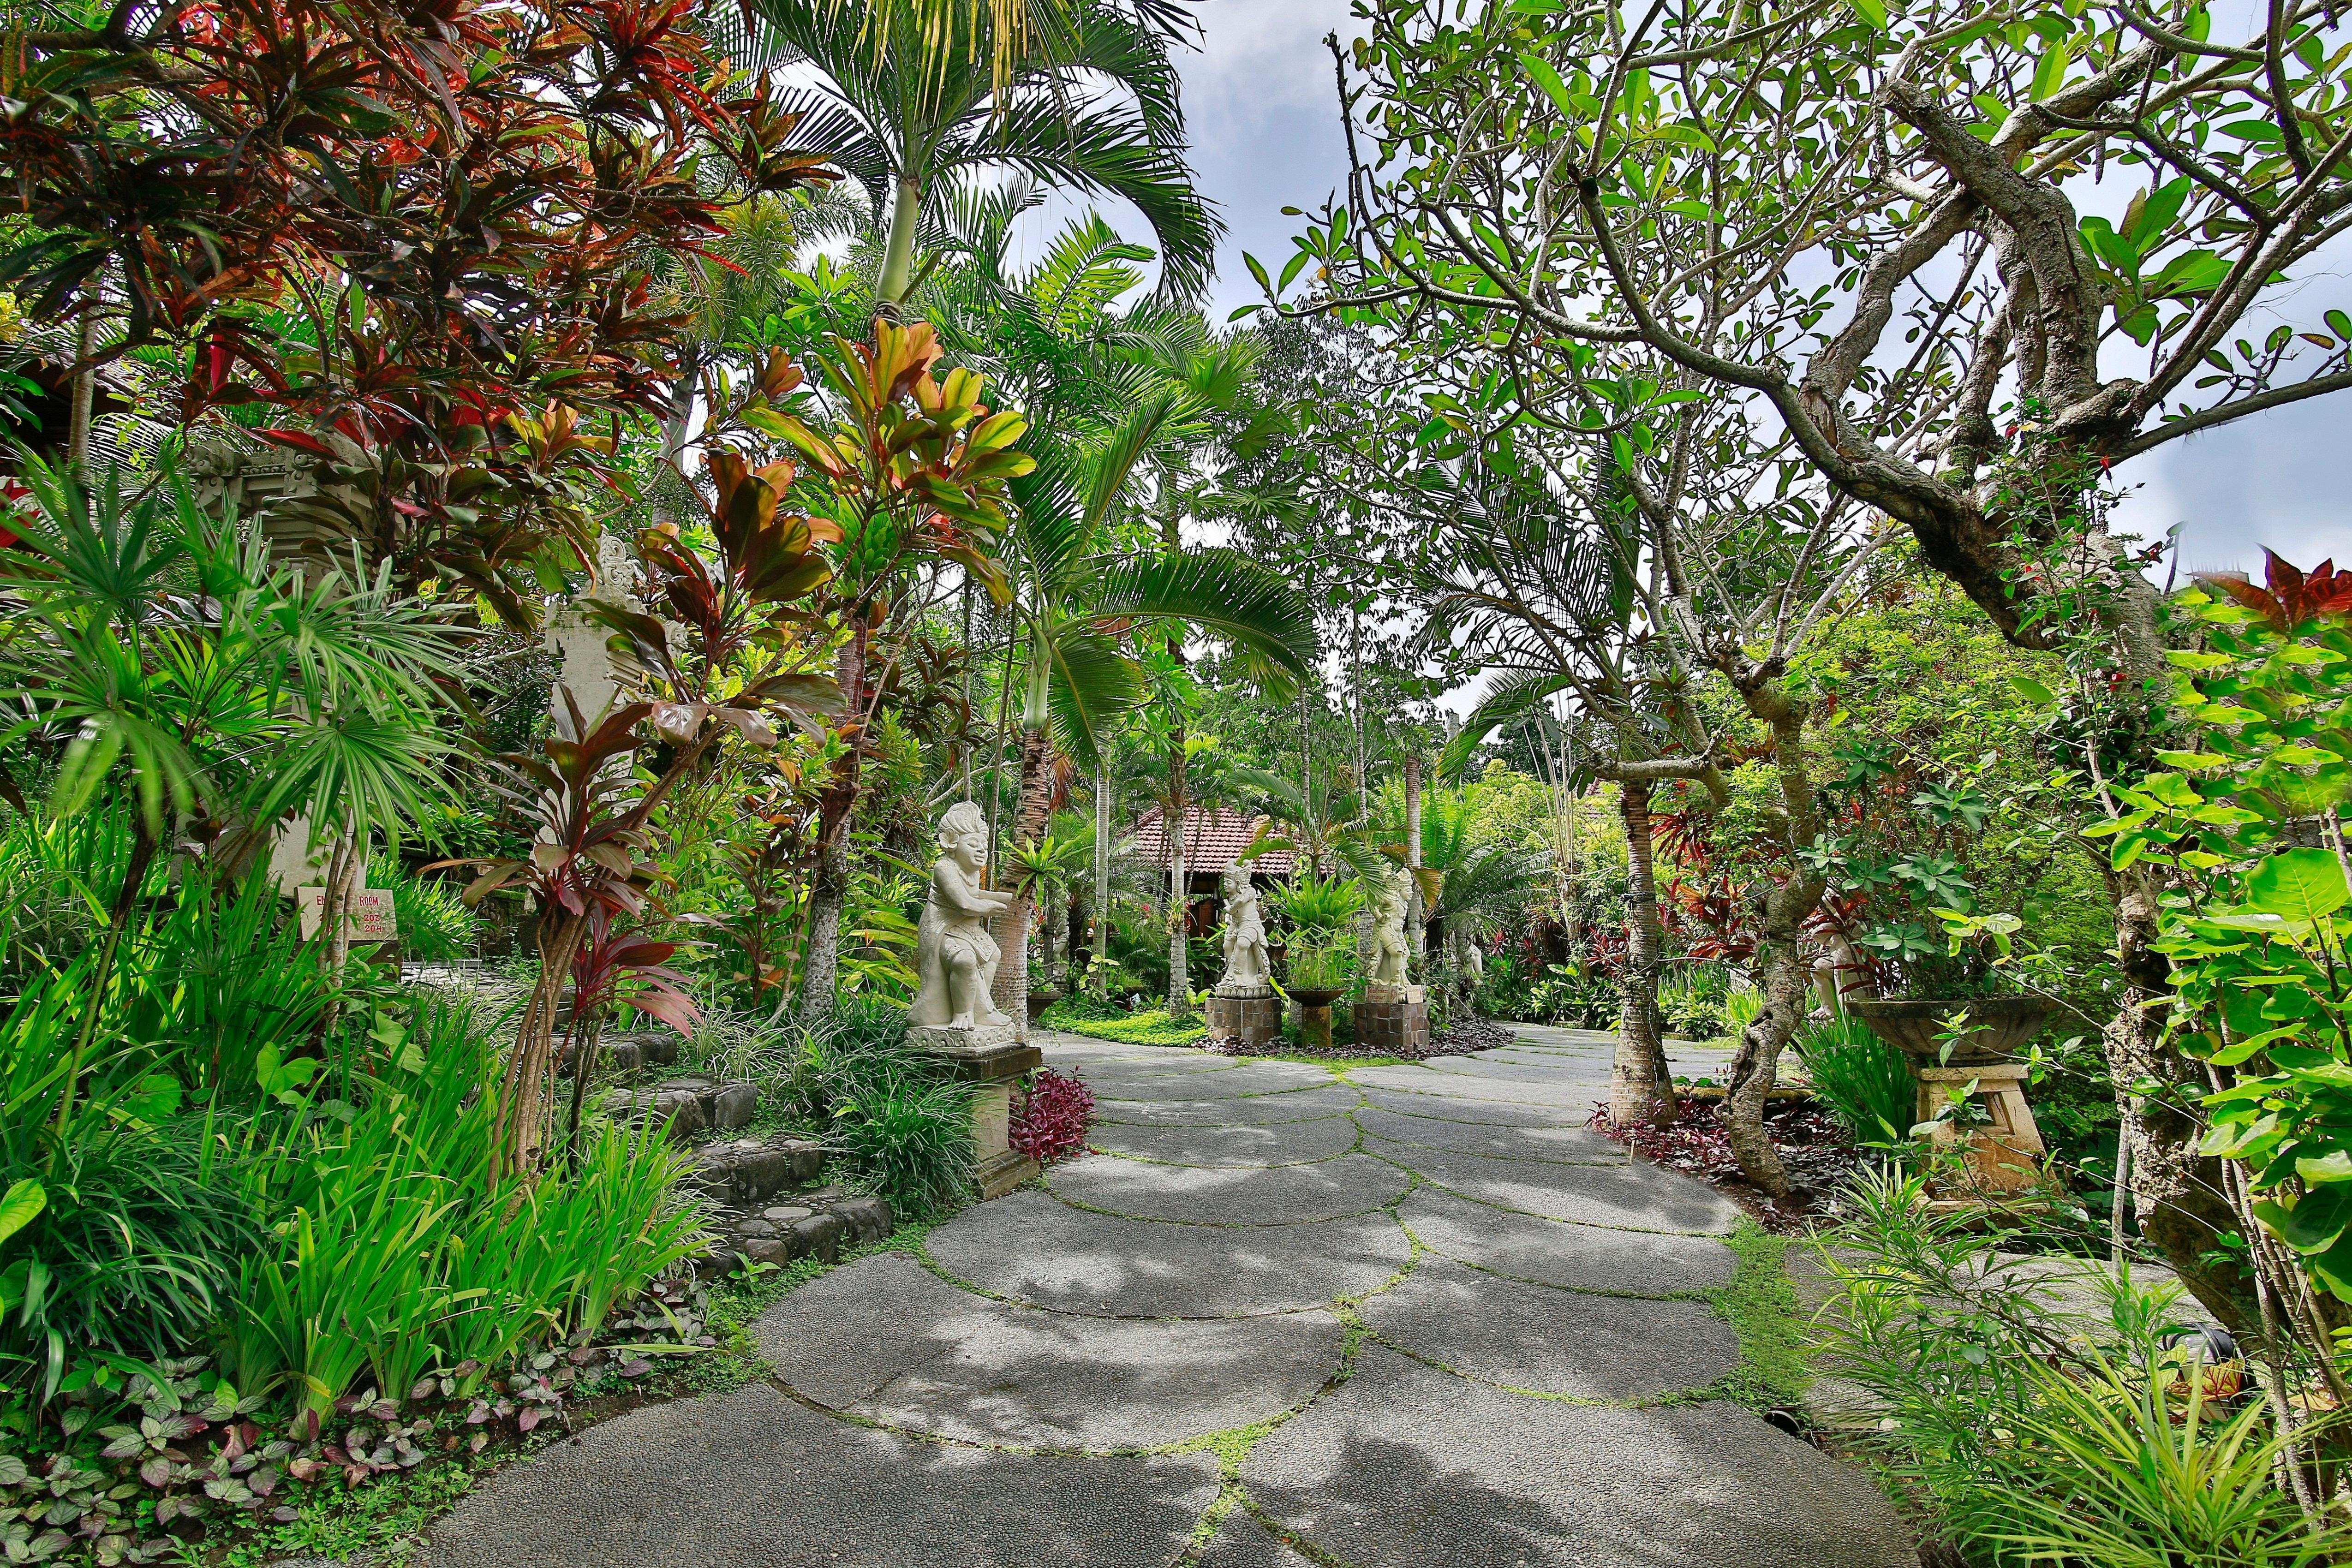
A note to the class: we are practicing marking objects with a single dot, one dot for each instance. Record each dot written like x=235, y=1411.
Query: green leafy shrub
x=1693, y=1000
x=912, y=1141
x=437, y=924
x=1864, y=1081
x=1322, y=962
x=396, y=1250
x=1151, y=1026
x=124, y=1233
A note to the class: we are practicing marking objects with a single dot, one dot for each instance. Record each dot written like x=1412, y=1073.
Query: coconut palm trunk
x=1180, y=905
x=829, y=890
x=1098, y=957
x=1029, y=820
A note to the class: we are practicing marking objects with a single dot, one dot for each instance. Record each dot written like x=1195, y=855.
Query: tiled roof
x=1211, y=840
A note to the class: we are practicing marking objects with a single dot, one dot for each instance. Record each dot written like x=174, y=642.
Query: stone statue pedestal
x=1393, y=1020
x=991, y=1061
x=1247, y=1013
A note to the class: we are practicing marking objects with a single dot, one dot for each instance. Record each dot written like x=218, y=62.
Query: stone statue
x=1387, y=921
x=1473, y=963
x=955, y=957
x=1247, y=964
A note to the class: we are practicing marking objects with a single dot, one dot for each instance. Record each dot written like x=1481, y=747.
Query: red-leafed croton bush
x=1049, y=1122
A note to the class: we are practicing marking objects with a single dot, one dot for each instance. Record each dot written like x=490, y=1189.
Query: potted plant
x=1946, y=997
x=1319, y=958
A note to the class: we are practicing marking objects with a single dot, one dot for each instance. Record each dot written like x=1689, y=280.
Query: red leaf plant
x=1050, y=1122
x=2290, y=595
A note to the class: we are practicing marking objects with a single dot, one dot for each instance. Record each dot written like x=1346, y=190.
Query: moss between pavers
x=1761, y=1306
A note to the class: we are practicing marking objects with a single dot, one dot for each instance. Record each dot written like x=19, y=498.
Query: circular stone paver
x=1195, y=1195
x=1476, y=1111
x=1031, y=1248
x=1230, y=1082
x=887, y=1340
x=1402, y=1466
x=1551, y=1341
x=753, y=1480
x=1630, y=1197
x=1281, y=1144
x=1253, y=1111
x=1552, y=1252
x=1566, y=1145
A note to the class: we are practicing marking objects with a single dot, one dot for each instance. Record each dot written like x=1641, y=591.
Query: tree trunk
x=2182, y=1206
x=85, y=391
x=1787, y=989
x=1057, y=939
x=1098, y=961
x=1180, y=902
x=1787, y=977
x=1029, y=819
x=1415, y=920
x=829, y=889
x=1642, y=1084
x=897, y=279
x=525, y=1095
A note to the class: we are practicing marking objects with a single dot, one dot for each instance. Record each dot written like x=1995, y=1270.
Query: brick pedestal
x=1393, y=1020
x=1252, y=1020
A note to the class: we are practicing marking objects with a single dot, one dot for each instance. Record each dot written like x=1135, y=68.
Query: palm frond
x=1094, y=686
x=1223, y=593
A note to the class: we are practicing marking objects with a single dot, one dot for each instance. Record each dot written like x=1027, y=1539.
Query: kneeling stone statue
x=955, y=957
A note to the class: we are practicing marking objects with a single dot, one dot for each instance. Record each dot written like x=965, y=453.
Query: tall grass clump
x=399, y=1254
x=124, y=1230
x=2047, y=1434
x=1864, y=1081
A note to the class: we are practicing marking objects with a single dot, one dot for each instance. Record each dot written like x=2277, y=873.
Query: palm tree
x=1465, y=882
x=1088, y=101
x=1075, y=606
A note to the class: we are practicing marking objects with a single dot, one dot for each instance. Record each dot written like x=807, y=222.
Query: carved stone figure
x=955, y=957
x=1387, y=939
x=1247, y=963
x=1473, y=964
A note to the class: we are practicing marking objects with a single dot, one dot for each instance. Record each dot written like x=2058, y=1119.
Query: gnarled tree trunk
x=1640, y=1084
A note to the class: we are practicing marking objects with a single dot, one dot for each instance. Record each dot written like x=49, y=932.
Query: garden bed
x=1816, y=1151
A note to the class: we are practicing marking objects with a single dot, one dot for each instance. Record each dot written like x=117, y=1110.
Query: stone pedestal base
x=2005, y=1159
x=1253, y=1021
x=948, y=1039
x=1393, y=1020
x=990, y=1068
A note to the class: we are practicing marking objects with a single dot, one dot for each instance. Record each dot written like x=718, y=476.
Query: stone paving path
x=1417, y=1317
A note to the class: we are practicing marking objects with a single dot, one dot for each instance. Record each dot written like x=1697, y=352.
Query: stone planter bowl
x=1998, y=1027
x=1315, y=996
x=1040, y=1000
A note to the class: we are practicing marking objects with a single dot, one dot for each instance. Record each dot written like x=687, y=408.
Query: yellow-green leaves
x=21, y=1207
x=2298, y=884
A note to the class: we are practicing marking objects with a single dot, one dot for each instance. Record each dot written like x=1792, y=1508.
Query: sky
x=1263, y=109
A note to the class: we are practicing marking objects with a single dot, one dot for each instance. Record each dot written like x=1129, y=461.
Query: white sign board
x=370, y=918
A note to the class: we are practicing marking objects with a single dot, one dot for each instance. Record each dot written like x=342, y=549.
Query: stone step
x=626, y=1053
x=747, y=1171
x=687, y=1105
x=813, y=1224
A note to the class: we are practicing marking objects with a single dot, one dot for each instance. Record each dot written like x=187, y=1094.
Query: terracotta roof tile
x=1211, y=840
